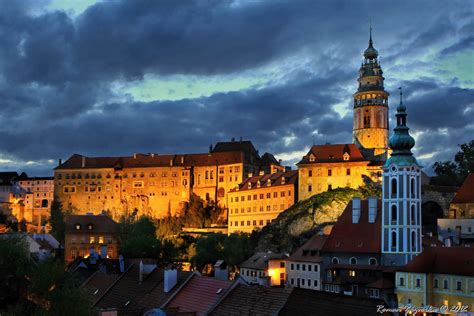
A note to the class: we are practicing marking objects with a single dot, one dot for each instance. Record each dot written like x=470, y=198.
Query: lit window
x=352, y=273
x=91, y=239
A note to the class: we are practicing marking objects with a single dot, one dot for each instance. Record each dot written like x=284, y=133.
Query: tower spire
x=370, y=32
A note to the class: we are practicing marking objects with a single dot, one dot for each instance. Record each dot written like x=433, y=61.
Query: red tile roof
x=99, y=283
x=100, y=223
x=152, y=160
x=333, y=153
x=362, y=237
x=466, y=191
x=443, y=260
x=198, y=295
x=276, y=179
x=310, y=251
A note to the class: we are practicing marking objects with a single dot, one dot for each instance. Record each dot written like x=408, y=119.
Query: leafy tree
x=58, y=226
x=454, y=173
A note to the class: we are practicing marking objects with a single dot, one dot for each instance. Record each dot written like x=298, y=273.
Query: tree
x=454, y=173
x=58, y=226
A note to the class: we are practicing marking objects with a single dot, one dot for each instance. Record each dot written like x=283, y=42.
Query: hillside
x=301, y=221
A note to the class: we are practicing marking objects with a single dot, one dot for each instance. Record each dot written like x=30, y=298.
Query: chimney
x=182, y=159
x=103, y=251
x=152, y=155
x=140, y=272
x=372, y=209
x=447, y=242
x=135, y=156
x=121, y=264
x=170, y=280
x=60, y=161
x=355, y=210
x=171, y=162
x=220, y=270
x=83, y=161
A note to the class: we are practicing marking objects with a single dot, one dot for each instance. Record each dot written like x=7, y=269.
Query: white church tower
x=401, y=197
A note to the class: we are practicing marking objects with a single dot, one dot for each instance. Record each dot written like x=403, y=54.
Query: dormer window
x=90, y=227
x=312, y=158
x=346, y=156
x=258, y=184
x=249, y=185
x=78, y=226
x=282, y=180
x=269, y=182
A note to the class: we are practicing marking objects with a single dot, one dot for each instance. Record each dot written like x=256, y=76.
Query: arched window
x=335, y=260
x=412, y=188
x=394, y=240
x=380, y=119
x=353, y=260
x=44, y=203
x=372, y=261
x=413, y=214
x=413, y=240
x=394, y=213
x=394, y=187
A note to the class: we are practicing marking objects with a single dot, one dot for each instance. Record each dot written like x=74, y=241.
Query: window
x=352, y=273
x=335, y=260
x=412, y=188
x=315, y=284
x=310, y=188
x=374, y=293
x=394, y=187
x=282, y=264
x=348, y=171
x=394, y=240
x=436, y=285
x=303, y=266
x=445, y=284
x=138, y=184
x=372, y=261
x=292, y=267
x=91, y=239
x=329, y=187
x=418, y=282
x=315, y=268
x=353, y=260
x=413, y=240
x=402, y=281
x=310, y=173
x=297, y=267
x=329, y=172
x=458, y=286
x=394, y=213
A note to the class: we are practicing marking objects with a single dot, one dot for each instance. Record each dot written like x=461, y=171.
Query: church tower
x=370, y=132
x=401, y=197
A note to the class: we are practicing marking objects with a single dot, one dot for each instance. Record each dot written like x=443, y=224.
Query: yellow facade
x=420, y=289
x=317, y=178
x=259, y=200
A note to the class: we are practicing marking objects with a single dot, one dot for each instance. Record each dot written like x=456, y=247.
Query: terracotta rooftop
x=259, y=261
x=130, y=297
x=99, y=283
x=332, y=153
x=100, y=223
x=198, y=295
x=275, y=179
x=151, y=160
x=309, y=302
x=443, y=260
x=466, y=191
x=310, y=251
x=361, y=237
x=252, y=300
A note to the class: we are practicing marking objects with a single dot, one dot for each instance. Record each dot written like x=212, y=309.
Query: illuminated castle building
x=330, y=166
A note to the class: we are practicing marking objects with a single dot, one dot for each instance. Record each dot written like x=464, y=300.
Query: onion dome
x=401, y=141
x=371, y=52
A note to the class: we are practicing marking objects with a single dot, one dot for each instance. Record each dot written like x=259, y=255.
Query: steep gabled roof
x=198, y=295
x=361, y=237
x=310, y=251
x=275, y=179
x=100, y=223
x=466, y=191
x=443, y=260
x=333, y=153
x=259, y=260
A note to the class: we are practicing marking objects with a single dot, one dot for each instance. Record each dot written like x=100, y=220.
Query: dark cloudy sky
x=118, y=77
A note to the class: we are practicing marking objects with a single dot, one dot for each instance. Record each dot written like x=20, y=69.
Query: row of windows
x=249, y=223
x=394, y=214
x=353, y=260
x=394, y=187
x=82, y=252
x=436, y=285
x=303, y=282
x=330, y=172
x=91, y=239
x=309, y=267
x=261, y=209
x=260, y=196
x=393, y=240
x=163, y=174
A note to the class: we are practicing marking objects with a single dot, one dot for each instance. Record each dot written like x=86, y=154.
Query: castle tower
x=370, y=132
x=401, y=197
